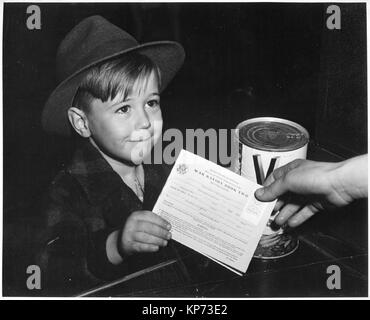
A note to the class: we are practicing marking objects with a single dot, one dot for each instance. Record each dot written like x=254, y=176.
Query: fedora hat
x=92, y=41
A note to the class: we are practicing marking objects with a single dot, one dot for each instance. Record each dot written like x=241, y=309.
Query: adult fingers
x=302, y=215
x=276, y=184
x=279, y=204
x=286, y=212
x=273, y=191
x=282, y=172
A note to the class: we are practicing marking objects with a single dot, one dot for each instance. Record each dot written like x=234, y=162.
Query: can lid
x=272, y=134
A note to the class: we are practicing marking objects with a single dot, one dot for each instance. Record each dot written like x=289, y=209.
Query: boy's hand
x=144, y=231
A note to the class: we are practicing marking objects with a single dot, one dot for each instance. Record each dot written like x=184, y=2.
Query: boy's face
x=127, y=130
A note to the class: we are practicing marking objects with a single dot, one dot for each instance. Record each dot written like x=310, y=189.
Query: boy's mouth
x=141, y=140
x=140, y=136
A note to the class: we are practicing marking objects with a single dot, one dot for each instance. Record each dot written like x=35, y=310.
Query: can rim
x=276, y=120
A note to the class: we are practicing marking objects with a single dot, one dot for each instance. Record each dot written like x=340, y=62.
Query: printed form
x=213, y=211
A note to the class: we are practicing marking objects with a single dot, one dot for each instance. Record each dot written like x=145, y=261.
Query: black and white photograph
x=185, y=150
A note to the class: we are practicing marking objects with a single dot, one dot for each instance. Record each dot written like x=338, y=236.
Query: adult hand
x=305, y=187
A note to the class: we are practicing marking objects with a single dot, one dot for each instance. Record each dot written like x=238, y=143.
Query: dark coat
x=85, y=203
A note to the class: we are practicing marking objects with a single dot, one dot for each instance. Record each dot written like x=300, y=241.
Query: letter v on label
x=260, y=174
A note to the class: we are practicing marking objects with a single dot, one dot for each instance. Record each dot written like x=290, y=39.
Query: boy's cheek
x=157, y=133
x=157, y=126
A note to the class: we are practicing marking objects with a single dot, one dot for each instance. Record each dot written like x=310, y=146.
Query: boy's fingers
x=153, y=229
x=149, y=239
x=144, y=247
x=154, y=218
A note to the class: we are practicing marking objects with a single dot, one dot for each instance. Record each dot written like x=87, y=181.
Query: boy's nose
x=143, y=121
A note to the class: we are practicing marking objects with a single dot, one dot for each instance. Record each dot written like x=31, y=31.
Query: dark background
x=243, y=60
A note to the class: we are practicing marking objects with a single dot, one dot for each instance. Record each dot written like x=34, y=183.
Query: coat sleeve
x=73, y=256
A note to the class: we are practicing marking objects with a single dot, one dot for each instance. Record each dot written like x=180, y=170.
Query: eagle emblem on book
x=182, y=168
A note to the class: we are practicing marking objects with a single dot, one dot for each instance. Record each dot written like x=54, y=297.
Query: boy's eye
x=124, y=109
x=153, y=103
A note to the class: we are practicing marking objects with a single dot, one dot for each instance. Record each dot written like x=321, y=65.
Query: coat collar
x=99, y=181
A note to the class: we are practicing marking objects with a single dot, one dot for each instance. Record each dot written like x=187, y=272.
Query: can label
x=265, y=144
x=256, y=165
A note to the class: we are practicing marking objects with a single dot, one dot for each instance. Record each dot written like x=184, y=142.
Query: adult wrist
x=353, y=176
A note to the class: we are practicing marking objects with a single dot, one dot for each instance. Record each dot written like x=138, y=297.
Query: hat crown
x=95, y=40
x=91, y=40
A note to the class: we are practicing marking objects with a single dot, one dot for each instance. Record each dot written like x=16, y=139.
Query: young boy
x=99, y=223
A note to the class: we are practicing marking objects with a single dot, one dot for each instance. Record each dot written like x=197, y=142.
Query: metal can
x=263, y=145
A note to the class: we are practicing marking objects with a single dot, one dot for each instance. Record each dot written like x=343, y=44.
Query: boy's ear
x=79, y=122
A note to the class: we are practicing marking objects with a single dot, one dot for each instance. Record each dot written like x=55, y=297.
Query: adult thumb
x=271, y=192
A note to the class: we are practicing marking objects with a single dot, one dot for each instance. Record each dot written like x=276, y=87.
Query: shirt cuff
x=97, y=259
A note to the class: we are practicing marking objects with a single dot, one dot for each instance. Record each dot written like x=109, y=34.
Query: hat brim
x=167, y=55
